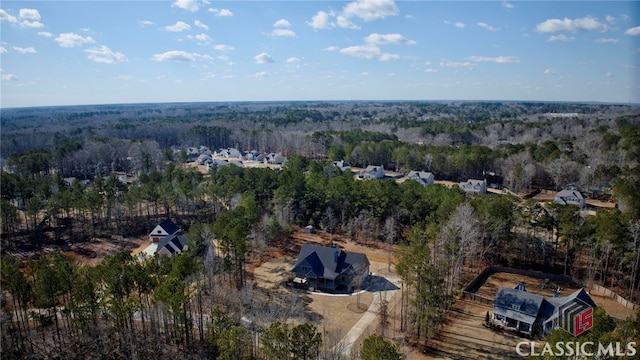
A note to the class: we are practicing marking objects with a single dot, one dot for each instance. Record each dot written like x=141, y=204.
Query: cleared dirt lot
x=337, y=314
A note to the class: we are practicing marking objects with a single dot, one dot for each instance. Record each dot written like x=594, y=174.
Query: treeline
x=317, y=193
x=441, y=235
x=126, y=308
x=522, y=143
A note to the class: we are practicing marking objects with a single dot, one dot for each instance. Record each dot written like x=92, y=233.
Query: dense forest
x=200, y=304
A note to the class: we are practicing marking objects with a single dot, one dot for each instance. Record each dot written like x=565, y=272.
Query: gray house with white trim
x=329, y=267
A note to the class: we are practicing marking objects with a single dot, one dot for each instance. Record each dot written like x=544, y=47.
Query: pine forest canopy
x=438, y=231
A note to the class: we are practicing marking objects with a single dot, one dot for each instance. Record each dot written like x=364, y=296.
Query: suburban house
x=569, y=196
x=372, y=172
x=166, y=240
x=342, y=165
x=274, y=158
x=70, y=180
x=474, y=187
x=524, y=312
x=254, y=155
x=329, y=267
x=422, y=177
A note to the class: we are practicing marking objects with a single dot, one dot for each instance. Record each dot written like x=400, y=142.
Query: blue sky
x=103, y=52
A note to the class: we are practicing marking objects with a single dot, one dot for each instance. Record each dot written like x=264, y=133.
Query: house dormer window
x=515, y=307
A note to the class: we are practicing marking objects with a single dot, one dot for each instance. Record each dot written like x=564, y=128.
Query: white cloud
x=104, y=55
x=283, y=33
x=144, y=23
x=454, y=64
x=178, y=26
x=293, y=60
x=431, y=70
x=261, y=75
x=364, y=73
x=391, y=74
x=29, y=18
x=321, y=20
x=487, y=26
x=282, y=23
x=549, y=71
x=387, y=57
x=573, y=25
x=28, y=50
x=368, y=10
x=608, y=74
x=223, y=47
x=345, y=23
x=221, y=12
x=203, y=38
x=385, y=39
x=189, y=5
x=9, y=77
x=201, y=25
x=458, y=24
x=29, y=14
x=624, y=17
x=368, y=51
x=31, y=24
x=560, y=37
x=507, y=5
x=73, y=40
x=497, y=59
x=634, y=31
x=174, y=55
x=610, y=19
x=5, y=16
x=606, y=41
x=45, y=34
x=263, y=58
x=208, y=76
x=3, y=50
x=331, y=48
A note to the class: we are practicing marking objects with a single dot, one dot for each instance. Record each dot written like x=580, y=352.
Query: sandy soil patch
x=337, y=314
x=92, y=252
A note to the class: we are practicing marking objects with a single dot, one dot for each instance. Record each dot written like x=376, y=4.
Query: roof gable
x=173, y=244
x=169, y=226
x=519, y=301
x=328, y=262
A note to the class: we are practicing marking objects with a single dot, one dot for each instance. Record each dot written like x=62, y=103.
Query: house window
x=159, y=232
x=515, y=307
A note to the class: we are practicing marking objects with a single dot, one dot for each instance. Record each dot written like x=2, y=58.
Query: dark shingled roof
x=169, y=226
x=550, y=309
x=328, y=262
x=517, y=304
x=173, y=243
